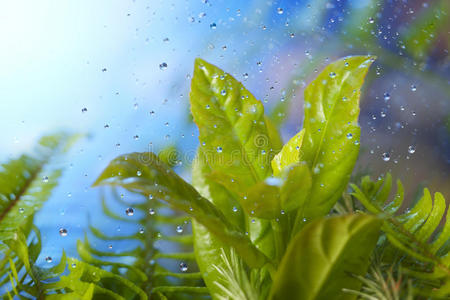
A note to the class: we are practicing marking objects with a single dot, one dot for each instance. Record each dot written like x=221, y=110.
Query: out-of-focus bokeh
x=119, y=72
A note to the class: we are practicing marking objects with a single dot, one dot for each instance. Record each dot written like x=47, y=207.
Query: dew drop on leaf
x=45, y=179
x=138, y=173
x=349, y=136
x=235, y=209
x=219, y=149
x=179, y=229
x=151, y=211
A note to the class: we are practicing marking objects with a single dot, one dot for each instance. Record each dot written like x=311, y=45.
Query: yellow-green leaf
x=324, y=258
x=289, y=154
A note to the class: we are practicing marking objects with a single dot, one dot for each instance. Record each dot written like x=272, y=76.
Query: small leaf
x=323, y=258
x=296, y=187
x=289, y=154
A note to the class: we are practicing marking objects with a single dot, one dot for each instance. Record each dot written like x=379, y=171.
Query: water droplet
x=413, y=88
x=83, y=110
x=109, y=246
x=282, y=212
x=74, y=265
x=235, y=209
x=411, y=149
x=304, y=220
x=138, y=173
x=151, y=211
x=219, y=149
x=386, y=156
x=344, y=99
x=179, y=229
x=21, y=210
x=63, y=232
x=129, y=211
x=386, y=96
x=104, y=69
x=382, y=114
x=280, y=11
x=349, y=136
x=183, y=267
x=48, y=259
x=163, y=66
x=45, y=179
x=136, y=137
x=371, y=20
x=332, y=74
x=245, y=75
x=223, y=92
x=141, y=230
x=213, y=26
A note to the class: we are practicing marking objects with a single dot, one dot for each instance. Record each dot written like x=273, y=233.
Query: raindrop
x=411, y=149
x=83, y=110
x=63, y=232
x=223, y=92
x=245, y=75
x=138, y=173
x=235, y=209
x=151, y=211
x=349, y=136
x=74, y=265
x=213, y=26
x=163, y=66
x=45, y=179
x=179, y=229
x=280, y=10
x=183, y=267
x=386, y=96
x=386, y=156
x=48, y=259
x=219, y=149
x=129, y=211
x=413, y=88
x=371, y=20
x=332, y=74
x=21, y=210
x=141, y=230
x=382, y=114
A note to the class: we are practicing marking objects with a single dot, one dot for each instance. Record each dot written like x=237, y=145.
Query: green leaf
x=323, y=258
x=296, y=187
x=331, y=141
x=289, y=154
x=233, y=132
x=145, y=173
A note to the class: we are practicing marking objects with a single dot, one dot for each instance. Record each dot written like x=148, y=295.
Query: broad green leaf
x=324, y=258
x=289, y=154
x=262, y=201
x=233, y=132
x=331, y=140
x=145, y=173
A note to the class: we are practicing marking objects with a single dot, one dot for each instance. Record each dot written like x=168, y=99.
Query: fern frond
x=25, y=184
x=416, y=232
x=146, y=264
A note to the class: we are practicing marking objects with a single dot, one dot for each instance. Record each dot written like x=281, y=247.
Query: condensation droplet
x=179, y=229
x=386, y=96
x=411, y=149
x=83, y=110
x=349, y=136
x=386, y=156
x=183, y=267
x=45, y=179
x=163, y=66
x=48, y=259
x=332, y=74
x=129, y=211
x=219, y=149
x=138, y=173
x=413, y=88
x=63, y=232
x=280, y=11
x=151, y=211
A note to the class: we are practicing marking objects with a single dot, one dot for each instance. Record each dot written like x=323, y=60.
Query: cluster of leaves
x=258, y=207
x=260, y=212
